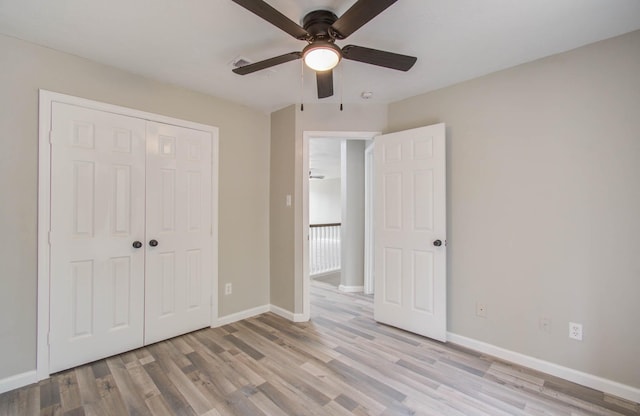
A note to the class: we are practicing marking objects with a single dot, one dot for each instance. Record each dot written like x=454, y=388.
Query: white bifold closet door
x=119, y=185
x=178, y=275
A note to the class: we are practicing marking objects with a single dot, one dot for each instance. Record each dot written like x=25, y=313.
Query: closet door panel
x=97, y=212
x=179, y=269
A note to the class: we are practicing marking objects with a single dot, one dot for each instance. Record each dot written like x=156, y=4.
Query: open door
x=410, y=231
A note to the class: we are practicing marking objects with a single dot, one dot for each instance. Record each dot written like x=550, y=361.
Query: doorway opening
x=339, y=227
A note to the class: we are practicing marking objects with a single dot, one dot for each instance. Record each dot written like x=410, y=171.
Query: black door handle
x=437, y=243
x=153, y=243
x=137, y=244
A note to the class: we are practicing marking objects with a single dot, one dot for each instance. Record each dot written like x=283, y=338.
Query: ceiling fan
x=320, y=29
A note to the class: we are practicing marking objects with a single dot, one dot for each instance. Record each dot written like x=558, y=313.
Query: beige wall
x=243, y=193
x=281, y=235
x=328, y=117
x=544, y=205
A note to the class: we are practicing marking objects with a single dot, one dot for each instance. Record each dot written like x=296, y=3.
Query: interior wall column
x=352, y=232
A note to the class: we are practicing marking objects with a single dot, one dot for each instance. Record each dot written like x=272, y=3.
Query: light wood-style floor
x=340, y=363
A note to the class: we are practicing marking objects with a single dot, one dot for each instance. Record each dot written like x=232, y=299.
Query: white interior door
x=410, y=231
x=179, y=267
x=97, y=213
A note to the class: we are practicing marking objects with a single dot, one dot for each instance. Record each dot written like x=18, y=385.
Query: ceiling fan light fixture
x=321, y=56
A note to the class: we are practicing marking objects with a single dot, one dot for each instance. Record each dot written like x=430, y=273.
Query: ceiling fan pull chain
x=301, y=85
x=341, y=85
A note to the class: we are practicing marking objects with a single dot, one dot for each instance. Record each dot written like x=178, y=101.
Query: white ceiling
x=192, y=43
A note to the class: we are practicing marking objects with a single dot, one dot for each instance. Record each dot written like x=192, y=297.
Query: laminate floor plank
x=49, y=393
x=69, y=391
x=219, y=385
x=133, y=400
x=110, y=396
x=240, y=404
x=287, y=399
x=142, y=381
x=169, y=360
x=373, y=405
x=312, y=346
x=169, y=393
x=158, y=406
x=203, y=383
x=303, y=350
x=342, y=362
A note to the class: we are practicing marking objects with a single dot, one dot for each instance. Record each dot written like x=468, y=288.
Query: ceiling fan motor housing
x=317, y=23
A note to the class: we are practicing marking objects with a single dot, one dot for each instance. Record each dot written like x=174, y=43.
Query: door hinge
x=51, y=136
x=48, y=338
x=49, y=237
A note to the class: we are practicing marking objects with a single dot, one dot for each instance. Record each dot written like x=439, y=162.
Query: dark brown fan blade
x=274, y=17
x=378, y=57
x=359, y=14
x=325, y=83
x=267, y=63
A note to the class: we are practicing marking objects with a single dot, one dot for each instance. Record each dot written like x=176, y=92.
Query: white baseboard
x=17, y=381
x=239, y=316
x=282, y=312
x=293, y=317
x=249, y=313
x=589, y=380
x=350, y=289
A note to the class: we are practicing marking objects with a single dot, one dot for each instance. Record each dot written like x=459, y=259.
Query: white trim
x=369, y=256
x=44, y=225
x=215, y=187
x=239, y=316
x=293, y=317
x=282, y=312
x=44, y=205
x=17, y=381
x=350, y=289
x=50, y=96
x=259, y=310
x=303, y=232
x=589, y=380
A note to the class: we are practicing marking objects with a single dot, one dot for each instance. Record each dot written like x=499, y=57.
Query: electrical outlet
x=481, y=310
x=575, y=331
x=545, y=324
x=228, y=289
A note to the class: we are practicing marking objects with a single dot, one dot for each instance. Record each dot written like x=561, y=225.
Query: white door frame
x=368, y=220
x=304, y=236
x=44, y=206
